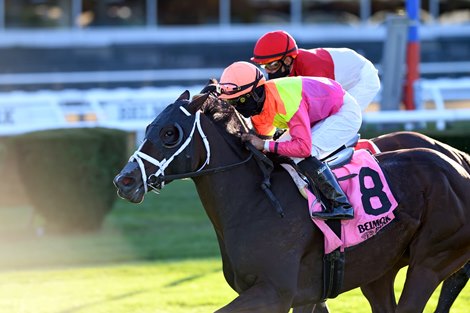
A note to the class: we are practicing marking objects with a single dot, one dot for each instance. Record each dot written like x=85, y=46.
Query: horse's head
x=175, y=145
x=167, y=149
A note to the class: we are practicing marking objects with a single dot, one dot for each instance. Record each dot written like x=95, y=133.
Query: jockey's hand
x=257, y=142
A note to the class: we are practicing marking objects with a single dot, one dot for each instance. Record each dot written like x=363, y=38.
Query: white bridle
x=139, y=156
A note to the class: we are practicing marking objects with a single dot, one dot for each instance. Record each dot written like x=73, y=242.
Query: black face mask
x=283, y=71
x=252, y=104
x=249, y=108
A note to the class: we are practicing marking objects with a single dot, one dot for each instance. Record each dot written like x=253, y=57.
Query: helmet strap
x=259, y=95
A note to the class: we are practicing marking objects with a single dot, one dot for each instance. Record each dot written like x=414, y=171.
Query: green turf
x=157, y=257
x=180, y=286
x=172, y=225
x=194, y=286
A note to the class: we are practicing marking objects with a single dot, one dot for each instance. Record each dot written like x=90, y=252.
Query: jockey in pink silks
x=318, y=113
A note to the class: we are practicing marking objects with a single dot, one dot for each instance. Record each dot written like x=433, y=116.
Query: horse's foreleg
x=421, y=281
x=320, y=308
x=419, y=285
x=451, y=288
x=304, y=309
x=312, y=308
x=260, y=298
x=380, y=293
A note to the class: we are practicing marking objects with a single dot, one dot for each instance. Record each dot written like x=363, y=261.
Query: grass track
x=147, y=259
x=185, y=286
x=194, y=286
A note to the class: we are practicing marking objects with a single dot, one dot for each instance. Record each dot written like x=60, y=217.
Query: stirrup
x=335, y=214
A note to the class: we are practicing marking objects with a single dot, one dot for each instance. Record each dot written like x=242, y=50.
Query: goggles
x=231, y=88
x=273, y=66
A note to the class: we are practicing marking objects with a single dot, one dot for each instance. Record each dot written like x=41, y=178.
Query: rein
x=156, y=181
x=266, y=166
x=160, y=179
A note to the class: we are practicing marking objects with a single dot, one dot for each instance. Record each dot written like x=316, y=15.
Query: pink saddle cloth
x=369, y=193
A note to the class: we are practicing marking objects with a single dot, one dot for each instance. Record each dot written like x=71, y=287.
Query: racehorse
x=453, y=285
x=451, y=288
x=276, y=263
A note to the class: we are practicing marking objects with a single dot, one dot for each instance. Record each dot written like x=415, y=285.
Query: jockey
x=305, y=106
x=278, y=54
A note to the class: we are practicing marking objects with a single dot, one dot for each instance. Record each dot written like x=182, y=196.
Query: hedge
x=68, y=173
x=12, y=193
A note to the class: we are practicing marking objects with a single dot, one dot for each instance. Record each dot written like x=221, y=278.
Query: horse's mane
x=223, y=115
x=466, y=158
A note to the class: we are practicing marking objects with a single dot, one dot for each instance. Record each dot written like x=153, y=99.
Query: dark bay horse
x=276, y=263
x=455, y=283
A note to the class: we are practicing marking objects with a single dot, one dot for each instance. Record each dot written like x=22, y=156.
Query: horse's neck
x=227, y=193
x=224, y=148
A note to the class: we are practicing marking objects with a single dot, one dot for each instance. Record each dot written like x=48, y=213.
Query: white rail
x=439, y=91
x=173, y=75
x=169, y=75
x=133, y=109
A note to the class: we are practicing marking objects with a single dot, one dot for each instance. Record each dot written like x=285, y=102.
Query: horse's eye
x=171, y=135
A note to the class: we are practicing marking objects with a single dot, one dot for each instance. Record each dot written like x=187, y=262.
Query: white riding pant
x=334, y=131
x=356, y=74
x=367, y=86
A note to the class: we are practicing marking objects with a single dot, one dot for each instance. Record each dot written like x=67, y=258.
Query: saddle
x=343, y=155
x=336, y=159
x=365, y=185
x=363, y=181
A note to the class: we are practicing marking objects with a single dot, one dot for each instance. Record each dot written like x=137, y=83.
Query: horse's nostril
x=126, y=181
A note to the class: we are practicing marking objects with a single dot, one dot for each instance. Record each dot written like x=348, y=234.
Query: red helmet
x=274, y=46
x=238, y=79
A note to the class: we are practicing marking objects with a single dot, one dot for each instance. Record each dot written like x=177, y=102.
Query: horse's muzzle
x=129, y=183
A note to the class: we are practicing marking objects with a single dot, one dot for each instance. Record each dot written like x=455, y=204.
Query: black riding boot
x=336, y=203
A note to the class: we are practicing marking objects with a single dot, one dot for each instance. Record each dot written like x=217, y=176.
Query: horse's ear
x=197, y=102
x=211, y=86
x=184, y=96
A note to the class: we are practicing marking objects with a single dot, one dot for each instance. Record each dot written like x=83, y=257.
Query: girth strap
x=333, y=265
x=333, y=272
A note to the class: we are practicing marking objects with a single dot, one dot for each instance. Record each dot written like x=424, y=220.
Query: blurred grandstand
x=73, y=57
